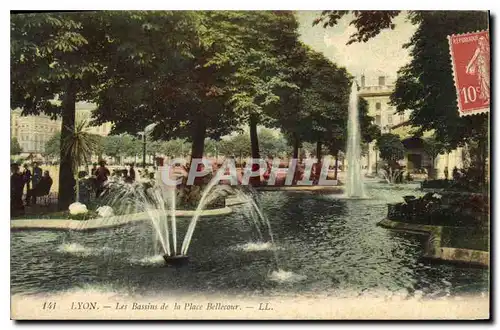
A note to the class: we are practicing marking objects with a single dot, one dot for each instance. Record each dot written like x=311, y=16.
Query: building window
x=401, y=117
x=378, y=105
x=377, y=120
x=389, y=119
x=381, y=81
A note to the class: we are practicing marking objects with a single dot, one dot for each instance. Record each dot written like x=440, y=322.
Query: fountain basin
x=178, y=260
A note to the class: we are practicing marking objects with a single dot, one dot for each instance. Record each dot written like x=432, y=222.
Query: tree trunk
x=336, y=165
x=318, y=150
x=254, y=141
x=77, y=190
x=198, y=136
x=318, y=160
x=296, y=144
x=66, y=177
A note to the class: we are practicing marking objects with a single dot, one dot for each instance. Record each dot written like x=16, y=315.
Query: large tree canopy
x=55, y=61
x=368, y=23
x=391, y=148
x=426, y=84
x=15, y=147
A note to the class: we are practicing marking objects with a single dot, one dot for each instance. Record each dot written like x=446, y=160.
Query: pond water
x=324, y=244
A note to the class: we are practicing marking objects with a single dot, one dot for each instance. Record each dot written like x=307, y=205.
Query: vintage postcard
x=250, y=165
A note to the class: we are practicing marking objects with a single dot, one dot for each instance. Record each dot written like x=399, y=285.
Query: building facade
x=376, y=91
x=33, y=132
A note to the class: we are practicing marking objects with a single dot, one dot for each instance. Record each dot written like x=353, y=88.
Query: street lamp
x=147, y=130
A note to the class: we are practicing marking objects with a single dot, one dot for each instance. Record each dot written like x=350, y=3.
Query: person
x=37, y=176
x=131, y=172
x=84, y=188
x=269, y=166
x=446, y=173
x=102, y=175
x=16, y=189
x=27, y=178
x=93, y=171
x=42, y=188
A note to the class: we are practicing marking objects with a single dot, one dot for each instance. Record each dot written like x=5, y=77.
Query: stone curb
x=300, y=188
x=433, y=248
x=101, y=223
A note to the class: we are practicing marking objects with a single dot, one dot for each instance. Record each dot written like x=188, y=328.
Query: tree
x=15, y=147
x=175, y=147
x=432, y=148
x=426, y=85
x=236, y=146
x=272, y=143
x=173, y=77
x=53, y=146
x=117, y=146
x=368, y=23
x=391, y=149
x=198, y=74
x=79, y=147
x=54, y=63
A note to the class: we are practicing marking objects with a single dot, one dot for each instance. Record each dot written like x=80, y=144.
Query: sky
x=382, y=55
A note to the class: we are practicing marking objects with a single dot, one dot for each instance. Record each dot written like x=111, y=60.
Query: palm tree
x=80, y=146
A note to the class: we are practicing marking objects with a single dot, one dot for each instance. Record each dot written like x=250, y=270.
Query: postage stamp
x=470, y=56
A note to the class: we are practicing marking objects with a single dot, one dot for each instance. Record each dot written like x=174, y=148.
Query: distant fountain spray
x=354, y=183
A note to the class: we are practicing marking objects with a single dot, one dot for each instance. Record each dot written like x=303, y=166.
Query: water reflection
x=326, y=245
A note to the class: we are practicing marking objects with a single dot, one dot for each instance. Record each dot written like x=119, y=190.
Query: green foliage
x=53, y=146
x=47, y=51
x=80, y=146
x=273, y=144
x=235, y=146
x=15, y=147
x=426, y=83
x=390, y=147
x=369, y=130
x=117, y=146
x=177, y=147
x=56, y=59
x=432, y=147
x=90, y=214
x=368, y=23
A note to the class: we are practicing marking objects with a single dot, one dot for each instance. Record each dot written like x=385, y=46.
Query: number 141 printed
x=470, y=57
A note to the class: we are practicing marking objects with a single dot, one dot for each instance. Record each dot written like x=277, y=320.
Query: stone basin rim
x=103, y=223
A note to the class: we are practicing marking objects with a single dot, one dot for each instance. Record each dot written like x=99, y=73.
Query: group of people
x=95, y=181
x=36, y=181
x=456, y=174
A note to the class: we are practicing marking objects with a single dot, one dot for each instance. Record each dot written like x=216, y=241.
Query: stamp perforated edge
x=461, y=113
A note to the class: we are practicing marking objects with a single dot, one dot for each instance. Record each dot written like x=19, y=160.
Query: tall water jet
x=354, y=183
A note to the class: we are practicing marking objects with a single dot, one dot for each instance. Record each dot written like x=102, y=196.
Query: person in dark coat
x=102, y=175
x=37, y=176
x=42, y=188
x=27, y=178
x=131, y=172
x=16, y=190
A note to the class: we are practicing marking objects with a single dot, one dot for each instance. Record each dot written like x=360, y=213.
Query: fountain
x=391, y=176
x=354, y=183
x=158, y=200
